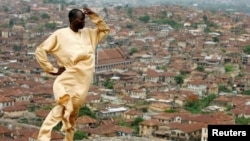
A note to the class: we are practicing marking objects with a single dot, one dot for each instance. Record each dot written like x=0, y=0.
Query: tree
x=130, y=26
x=163, y=67
x=206, y=30
x=170, y=110
x=216, y=39
x=163, y=14
x=222, y=88
x=246, y=92
x=133, y=50
x=11, y=22
x=23, y=120
x=86, y=111
x=27, y=9
x=17, y=48
x=200, y=68
x=45, y=78
x=242, y=120
x=45, y=16
x=122, y=122
x=110, y=38
x=118, y=7
x=32, y=108
x=80, y=135
x=135, y=124
x=192, y=98
x=205, y=18
x=34, y=18
x=108, y=84
x=105, y=10
x=50, y=26
x=5, y=9
x=54, y=1
x=192, y=104
x=179, y=79
x=145, y=18
x=144, y=110
x=137, y=121
x=168, y=21
x=247, y=49
x=130, y=12
x=229, y=68
x=195, y=105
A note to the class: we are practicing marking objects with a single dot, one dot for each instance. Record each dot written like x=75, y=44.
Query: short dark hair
x=72, y=14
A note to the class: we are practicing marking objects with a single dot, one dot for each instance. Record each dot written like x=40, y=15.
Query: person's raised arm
x=102, y=29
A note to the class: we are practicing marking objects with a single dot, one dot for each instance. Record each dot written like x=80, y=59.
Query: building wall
x=6, y=104
x=15, y=114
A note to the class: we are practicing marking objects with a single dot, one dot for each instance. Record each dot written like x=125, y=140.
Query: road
x=15, y=123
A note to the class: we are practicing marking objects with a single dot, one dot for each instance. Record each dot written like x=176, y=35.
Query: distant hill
x=223, y=5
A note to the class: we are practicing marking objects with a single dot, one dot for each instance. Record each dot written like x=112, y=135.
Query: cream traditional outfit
x=76, y=52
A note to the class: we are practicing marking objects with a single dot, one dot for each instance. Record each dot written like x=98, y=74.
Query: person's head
x=76, y=19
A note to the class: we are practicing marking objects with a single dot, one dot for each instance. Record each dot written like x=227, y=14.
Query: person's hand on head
x=87, y=11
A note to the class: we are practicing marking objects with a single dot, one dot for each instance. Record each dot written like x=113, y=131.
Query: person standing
x=74, y=49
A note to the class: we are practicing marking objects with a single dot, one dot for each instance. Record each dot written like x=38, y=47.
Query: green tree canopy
x=200, y=68
x=105, y=10
x=197, y=105
x=205, y=18
x=50, y=26
x=246, y=92
x=28, y=8
x=17, y=47
x=86, y=111
x=242, y=120
x=45, y=16
x=163, y=14
x=108, y=84
x=133, y=50
x=144, y=18
x=229, y=68
x=130, y=12
x=137, y=121
x=144, y=110
x=223, y=88
x=247, y=49
x=11, y=22
x=168, y=21
x=179, y=79
x=80, y=135
x=216, y=39
x=34, y=18
x=135, y=124
x=5, y=9
x=54, y=1
x=130, y=26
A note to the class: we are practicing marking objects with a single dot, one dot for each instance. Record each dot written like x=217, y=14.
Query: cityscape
x=165, y=71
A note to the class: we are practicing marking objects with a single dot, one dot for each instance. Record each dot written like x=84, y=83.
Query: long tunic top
x=76, y=52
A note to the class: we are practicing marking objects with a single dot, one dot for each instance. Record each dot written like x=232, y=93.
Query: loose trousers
x=66, y=110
